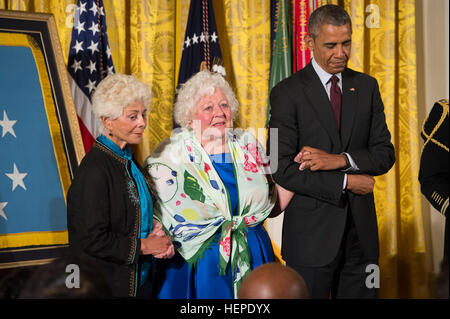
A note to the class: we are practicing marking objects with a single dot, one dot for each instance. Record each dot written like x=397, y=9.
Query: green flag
x=281, y=61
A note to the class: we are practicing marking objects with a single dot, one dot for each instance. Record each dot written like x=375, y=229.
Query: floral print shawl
x=193, y=203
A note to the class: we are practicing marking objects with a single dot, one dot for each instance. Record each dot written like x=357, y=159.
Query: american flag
x=90, y=61
x=201, y=47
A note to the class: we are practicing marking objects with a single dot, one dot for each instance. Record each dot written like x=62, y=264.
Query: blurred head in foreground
x=273, y=281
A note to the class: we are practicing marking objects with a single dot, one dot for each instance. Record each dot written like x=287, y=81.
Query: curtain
x=146, y=38
x=384, y=47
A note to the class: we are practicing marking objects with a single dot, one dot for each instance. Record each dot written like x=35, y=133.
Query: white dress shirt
x=325, y=79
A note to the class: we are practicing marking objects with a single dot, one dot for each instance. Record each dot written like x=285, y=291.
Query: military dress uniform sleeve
x=433, y=174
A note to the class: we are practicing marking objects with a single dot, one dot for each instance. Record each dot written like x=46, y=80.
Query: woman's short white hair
x=201, y=84
x=117, y=91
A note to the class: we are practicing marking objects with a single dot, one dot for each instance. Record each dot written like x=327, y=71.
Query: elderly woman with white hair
x=212, y=195
x=109, y=206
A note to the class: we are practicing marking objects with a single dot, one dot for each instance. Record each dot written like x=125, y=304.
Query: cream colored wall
x=432, y=29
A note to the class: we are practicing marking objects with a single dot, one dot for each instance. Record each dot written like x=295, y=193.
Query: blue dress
x=176, y=280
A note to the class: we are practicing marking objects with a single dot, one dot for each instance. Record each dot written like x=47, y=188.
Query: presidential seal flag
x=201, y=48
x=90, y=60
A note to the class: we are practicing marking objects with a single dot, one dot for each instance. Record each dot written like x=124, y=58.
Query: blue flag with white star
x=89, y=62
x=32, y=198
x=201, y=47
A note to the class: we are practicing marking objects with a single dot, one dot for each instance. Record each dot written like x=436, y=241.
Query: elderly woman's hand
x=169, y=253
x=157, y=243
x=157, y=229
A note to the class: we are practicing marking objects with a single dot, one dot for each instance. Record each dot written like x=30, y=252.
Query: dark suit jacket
x=315, y=219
